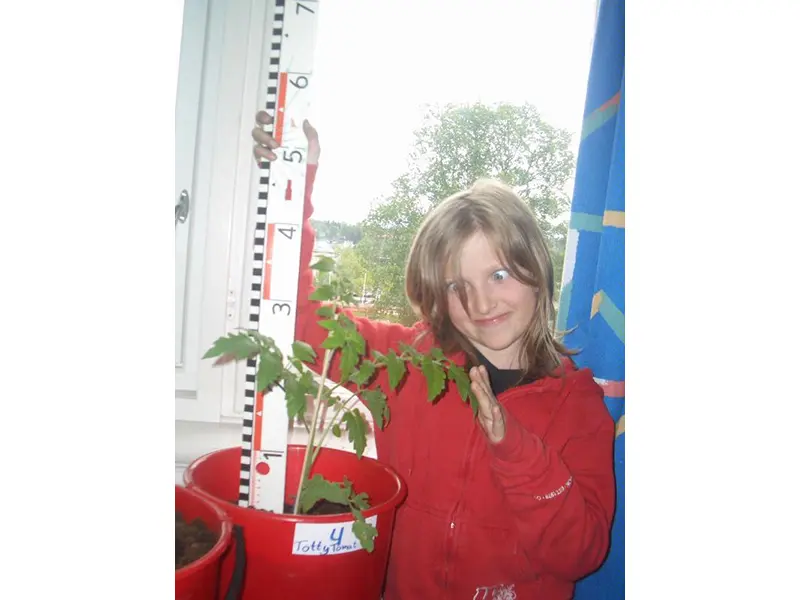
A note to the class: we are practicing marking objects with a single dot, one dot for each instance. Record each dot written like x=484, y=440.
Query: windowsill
x=193, y=439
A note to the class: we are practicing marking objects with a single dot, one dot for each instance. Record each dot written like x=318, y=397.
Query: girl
x=517, y=503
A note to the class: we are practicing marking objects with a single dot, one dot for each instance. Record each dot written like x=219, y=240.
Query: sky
x=378, y=63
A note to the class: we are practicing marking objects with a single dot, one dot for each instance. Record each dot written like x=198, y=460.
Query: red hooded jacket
x=522, y=519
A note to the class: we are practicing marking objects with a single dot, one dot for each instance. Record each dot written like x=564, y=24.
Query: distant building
x=323, y=248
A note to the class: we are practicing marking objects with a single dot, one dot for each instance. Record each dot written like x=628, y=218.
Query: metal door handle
x=182, y=208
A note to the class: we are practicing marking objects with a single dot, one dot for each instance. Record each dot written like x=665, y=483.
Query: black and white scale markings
x=276, y=248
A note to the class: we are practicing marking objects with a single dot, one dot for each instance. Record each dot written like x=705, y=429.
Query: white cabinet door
x=187, y=215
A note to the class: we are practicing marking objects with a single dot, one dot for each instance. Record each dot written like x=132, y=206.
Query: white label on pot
x=321, y=539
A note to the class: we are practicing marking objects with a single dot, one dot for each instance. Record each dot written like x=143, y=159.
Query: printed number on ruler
x=281, y=201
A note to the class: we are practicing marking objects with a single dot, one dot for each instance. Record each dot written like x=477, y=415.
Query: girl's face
x=500, y=308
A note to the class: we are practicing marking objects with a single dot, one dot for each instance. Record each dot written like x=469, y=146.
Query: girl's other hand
x=490, y=414
x=265, y=143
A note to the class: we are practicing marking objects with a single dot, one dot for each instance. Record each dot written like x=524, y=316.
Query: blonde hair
x=494, y=209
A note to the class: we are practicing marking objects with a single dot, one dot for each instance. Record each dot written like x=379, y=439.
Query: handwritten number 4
x=337, y=540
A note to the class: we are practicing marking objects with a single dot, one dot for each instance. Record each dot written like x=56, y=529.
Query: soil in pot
x=192, y=541
x=323, y=507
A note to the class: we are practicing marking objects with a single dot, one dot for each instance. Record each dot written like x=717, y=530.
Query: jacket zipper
x=451, y=534
x=468, y=457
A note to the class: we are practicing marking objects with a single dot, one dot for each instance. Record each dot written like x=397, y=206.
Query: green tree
x=337, y=231
x=350, y=267
x=388, y=232
x=456, y=145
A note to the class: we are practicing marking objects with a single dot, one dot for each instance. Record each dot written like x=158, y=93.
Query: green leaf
x=437, y=353
x=349, y=361
x=364, y=372
x=336, y=430
x=365, y=533
x=237, y=345
x=357, y=340
x=348, y=299
x=407, y=348
x=359, y=501
x=463, y=383
x=329, y=324
x=270, y=368
x=304, y=352
x=457, y=375
x=334, y=340
x=331, y=398
x=346, y=322
x=396, y=367
x=434, y=374
x=325, y=264
x=309, y=383
x=473, y=402
x=295, y=391
x=411, y=354
x=356, y=430
x=326, y=311
x=317, y=488
x=322, y=293
x=376, y=402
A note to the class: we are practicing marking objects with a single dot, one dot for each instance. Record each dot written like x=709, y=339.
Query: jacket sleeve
x=378, y=335
x=564, y=502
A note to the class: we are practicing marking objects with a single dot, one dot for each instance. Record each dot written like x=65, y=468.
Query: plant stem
x=318, y=403
x=326, y=364
x=342, y=407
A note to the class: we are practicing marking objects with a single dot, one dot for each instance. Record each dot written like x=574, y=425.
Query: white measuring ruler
x=276, y=255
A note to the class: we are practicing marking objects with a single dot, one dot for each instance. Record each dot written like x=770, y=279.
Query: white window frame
x=188, y=234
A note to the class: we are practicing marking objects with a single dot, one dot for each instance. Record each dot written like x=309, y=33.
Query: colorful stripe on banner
x=586, y=222
x=600, y=116
x=614, y=218
x=605, y=307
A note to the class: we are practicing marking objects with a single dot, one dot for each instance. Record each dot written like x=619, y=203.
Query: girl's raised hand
x=265, y=143
x=490, y=414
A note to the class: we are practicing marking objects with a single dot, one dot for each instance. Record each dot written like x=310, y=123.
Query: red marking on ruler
x=267, y=279
x=279, y=110
x=258, y=408
x=262, y=468
x=289, y=190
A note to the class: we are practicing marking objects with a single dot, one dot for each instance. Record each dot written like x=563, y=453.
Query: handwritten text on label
x=322, y=539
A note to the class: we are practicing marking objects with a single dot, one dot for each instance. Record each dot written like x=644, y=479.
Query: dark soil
x=323, y=507
x=192, y=541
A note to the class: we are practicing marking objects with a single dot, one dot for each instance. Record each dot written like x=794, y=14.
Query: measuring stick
x=276, y=252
